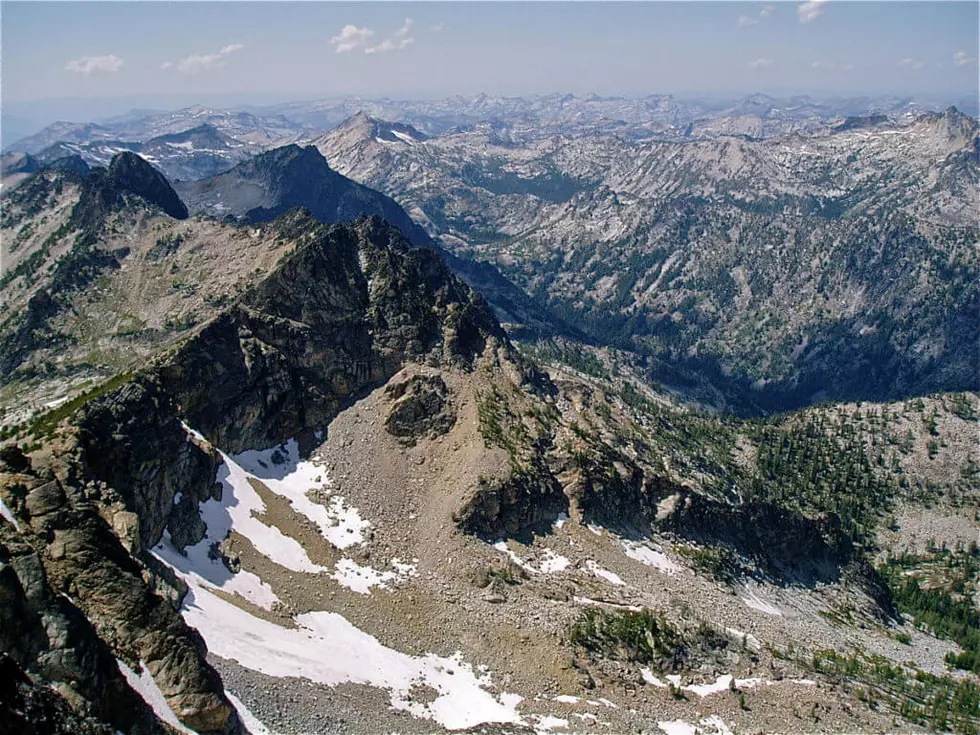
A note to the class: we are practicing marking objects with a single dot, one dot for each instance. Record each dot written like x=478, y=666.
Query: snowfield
x=325, y=648
x=283, y=471
x=641, y=552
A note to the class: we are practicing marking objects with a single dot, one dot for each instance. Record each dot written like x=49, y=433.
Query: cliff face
x=75, y=600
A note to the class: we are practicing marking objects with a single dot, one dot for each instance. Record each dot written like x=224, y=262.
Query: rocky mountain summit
x=284, y=178
x=260, y=189
x=277, y=472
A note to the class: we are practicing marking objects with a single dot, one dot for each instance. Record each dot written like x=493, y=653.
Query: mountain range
x=493, y=429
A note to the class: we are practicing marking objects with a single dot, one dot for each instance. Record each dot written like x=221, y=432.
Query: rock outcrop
x=421, y=406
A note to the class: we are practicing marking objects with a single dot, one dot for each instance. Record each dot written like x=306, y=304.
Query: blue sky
x=293, y=50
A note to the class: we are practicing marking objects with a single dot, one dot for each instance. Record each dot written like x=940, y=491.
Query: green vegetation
x=490, y=411
x=503, y=425
x=945, y=606
x=963, y=405
x=28, y=267
x=568, y=354
x=635, y=636
x=165, y=246
x=943, y=703
x=718, y=562
x=821, y=464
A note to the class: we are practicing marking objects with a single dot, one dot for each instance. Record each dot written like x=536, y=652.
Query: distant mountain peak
x=382, y=130
x=127, y=173
x=861, y=122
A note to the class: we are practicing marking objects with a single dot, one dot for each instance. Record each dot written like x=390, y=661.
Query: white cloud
x=747, y=21
x=398, y=41
x=350, y=38
x=760, y=63
x=831, y=66
x=203, y=62
x=962, y=58
x=89, y=65
x=911, y=63
x=438, y=27
x=810, y=11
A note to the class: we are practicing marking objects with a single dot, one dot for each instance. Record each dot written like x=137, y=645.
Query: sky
x=127, y=54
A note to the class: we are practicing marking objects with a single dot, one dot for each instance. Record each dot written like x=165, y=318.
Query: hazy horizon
x=86, y=61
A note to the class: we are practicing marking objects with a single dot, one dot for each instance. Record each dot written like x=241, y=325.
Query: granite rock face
x=44, y=632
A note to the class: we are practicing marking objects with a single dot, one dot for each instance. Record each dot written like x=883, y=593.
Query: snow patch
x=722, y=684
x=560, y=520
x=605, y=603
x=404, y=568
x=192, y=434
x=144, y=685
x=360, y=579
x=604, y=574
x=712, y=725
x=283, y=471
x=551, y=562
x=752, y=600
x=237, y=509
x=747, y=639
x=602, y=701
x=547, y=723
x=649, y=678
x=197, y=565
x=5, y=512
x=251, y=722
x=404, y=137
x=641, y=552
x=567, y=699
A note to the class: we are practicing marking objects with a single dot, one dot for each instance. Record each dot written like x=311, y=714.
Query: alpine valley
x=496, y=415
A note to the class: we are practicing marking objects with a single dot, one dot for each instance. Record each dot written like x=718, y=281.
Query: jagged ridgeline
x=177, y=382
